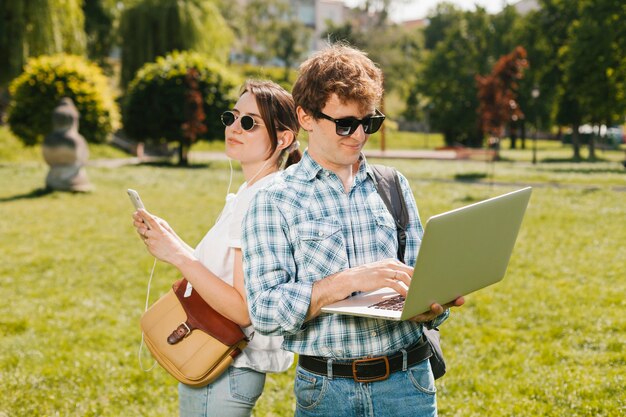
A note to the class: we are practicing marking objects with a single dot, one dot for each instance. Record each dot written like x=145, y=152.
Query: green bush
x=154, y=105
x=47, y=79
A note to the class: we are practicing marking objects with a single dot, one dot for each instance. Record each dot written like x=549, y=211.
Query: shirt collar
x=365, y=170
x=308, y=168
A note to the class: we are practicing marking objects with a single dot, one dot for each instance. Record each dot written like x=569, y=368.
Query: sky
x=418, y=9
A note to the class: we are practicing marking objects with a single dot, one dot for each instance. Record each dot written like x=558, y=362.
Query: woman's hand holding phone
x=156, y=233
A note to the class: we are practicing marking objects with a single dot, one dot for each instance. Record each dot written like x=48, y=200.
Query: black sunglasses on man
x=348, y=125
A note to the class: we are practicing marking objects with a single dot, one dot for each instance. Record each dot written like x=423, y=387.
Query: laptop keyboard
x=394, y=303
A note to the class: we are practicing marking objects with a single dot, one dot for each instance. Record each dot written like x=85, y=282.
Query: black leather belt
x=367, y=369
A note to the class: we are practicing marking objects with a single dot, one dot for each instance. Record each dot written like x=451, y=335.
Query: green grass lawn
x=549, y=340
x=548, y=151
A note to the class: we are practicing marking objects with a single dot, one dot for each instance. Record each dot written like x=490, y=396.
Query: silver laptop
x=462, y=251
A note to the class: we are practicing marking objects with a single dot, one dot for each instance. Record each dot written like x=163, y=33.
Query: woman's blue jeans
x=405, y=393
x=233, y=394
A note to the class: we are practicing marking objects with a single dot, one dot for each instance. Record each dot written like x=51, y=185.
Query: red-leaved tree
x=194, y=115
x=497, y=94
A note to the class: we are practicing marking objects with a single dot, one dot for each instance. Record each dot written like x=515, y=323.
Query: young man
x=320, y=233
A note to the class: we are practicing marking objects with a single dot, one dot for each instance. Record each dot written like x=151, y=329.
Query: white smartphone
x=136, y=200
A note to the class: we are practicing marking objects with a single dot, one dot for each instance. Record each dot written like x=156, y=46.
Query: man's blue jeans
x=405, y=393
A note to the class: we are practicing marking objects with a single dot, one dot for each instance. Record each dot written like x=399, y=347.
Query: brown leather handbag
x=188, y=338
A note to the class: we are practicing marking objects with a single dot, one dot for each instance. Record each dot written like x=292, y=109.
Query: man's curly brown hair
x=342, y=70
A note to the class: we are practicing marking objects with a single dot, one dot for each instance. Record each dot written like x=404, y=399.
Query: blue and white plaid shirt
x=305, y=227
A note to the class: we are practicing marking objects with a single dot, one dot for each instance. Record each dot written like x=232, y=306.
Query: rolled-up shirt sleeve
x=277, y=302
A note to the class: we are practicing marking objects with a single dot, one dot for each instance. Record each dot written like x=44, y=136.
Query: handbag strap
x=200, y=315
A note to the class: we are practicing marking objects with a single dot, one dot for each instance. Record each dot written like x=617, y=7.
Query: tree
x=162, y=103
x=101, y=27
x=194, y=114
x=505, y=26
x=29, y=28
x=270, y=32
x=152, y=28
x=448, y=78
x=537, y=109
x=445, y=17
x=290, y=43
x=582, y=65
x=592, y=59
x=569, y=113
x=497, y=93
x=38, y=27
x=546, y=57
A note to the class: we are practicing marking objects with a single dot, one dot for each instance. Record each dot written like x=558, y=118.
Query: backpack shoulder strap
x=388, y=186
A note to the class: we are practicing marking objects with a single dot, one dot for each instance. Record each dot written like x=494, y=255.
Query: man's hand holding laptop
x=436, y=310
x=394, y=274
x=462, y=251
x=386, y=273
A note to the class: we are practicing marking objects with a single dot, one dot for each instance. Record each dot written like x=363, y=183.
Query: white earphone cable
x=145, y=309
x=258, y=172
x=230, y=180
x=267, y=161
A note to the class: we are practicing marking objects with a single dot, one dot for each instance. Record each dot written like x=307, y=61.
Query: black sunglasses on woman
x=247, y=122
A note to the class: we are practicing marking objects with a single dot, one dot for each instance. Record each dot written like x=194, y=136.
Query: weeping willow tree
x=101, y=24
x=152, y=28
x=30, y=28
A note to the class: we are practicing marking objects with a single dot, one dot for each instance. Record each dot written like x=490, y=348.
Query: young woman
x=260, y=131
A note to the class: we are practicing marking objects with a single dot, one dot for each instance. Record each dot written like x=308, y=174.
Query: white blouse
x=216, y=251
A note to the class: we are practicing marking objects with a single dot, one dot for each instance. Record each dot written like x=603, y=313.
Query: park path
x=203, y=156
x=443, y=155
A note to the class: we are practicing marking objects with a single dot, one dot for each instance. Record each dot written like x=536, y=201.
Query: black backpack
x=388, y=186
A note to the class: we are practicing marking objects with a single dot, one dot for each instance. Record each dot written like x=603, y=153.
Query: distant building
x=316, y=13
x=525, y=6
x=334, y=11
x=415, y=24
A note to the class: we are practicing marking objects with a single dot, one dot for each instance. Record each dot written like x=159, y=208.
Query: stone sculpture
x=66, y=151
